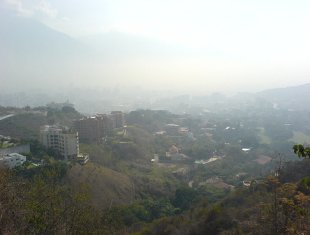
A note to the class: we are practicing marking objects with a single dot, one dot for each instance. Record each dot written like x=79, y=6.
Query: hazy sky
x=245, y=44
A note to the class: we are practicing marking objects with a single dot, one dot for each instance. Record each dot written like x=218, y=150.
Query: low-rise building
x=174, y=154
x=82, y=158
x=183, y=130
x=12, y=160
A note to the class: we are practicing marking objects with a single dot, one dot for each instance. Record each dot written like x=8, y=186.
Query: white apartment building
x=65, y=142
x=12, y=160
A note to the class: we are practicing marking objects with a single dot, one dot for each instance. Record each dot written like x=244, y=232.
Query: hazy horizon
x=187, y=47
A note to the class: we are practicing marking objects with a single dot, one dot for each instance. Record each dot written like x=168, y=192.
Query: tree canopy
x=301, y=151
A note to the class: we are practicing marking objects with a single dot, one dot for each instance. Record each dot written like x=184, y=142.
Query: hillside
x=25, y=124
x=167, y=174
x=266, y=207
x=292, y=98
x=106, y=186
x=22, y=38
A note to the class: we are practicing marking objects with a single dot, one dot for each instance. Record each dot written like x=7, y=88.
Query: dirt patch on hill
x=262, y=160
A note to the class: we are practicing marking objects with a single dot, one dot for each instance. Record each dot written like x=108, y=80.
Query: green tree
x=184, y=197
x=301, y=151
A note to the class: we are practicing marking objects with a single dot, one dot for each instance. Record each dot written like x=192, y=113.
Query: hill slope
x=293, y=98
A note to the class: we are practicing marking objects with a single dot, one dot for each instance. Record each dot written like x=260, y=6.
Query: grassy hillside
x=271, y=206
x=22, y=126
x=26, y=125
x=107, y=186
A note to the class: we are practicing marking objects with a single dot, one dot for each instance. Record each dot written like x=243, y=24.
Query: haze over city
x=189, y=46
x=149, y=117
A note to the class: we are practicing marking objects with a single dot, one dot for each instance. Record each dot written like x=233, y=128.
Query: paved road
x=7, y=116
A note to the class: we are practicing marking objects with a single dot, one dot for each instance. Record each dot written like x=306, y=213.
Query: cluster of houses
x=172, y=155
x=172, y=129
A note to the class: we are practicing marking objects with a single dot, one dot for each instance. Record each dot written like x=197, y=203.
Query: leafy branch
x=301, y=151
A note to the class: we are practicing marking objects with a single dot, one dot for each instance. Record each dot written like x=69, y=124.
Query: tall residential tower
x=60, y=139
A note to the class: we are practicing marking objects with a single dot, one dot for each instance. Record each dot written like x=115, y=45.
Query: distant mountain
x=33, y=55
x=26, y=37
x=283, y=92
x=293, y=98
